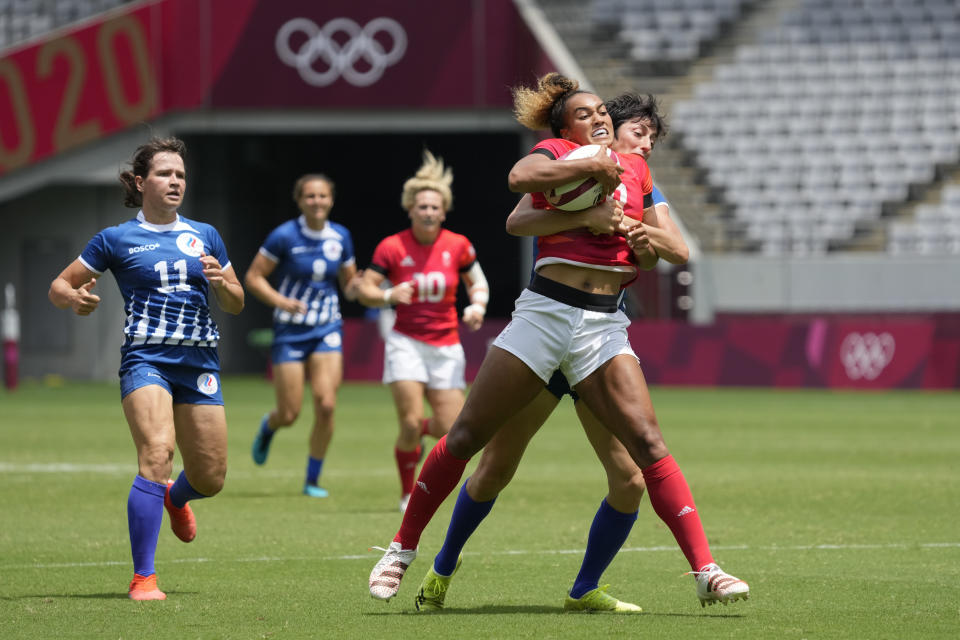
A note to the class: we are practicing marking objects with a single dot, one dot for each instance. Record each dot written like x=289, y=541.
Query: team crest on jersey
x=190, y=244
x=332, y=250
x=332, y=339
x=207, y=383
x=446, y=258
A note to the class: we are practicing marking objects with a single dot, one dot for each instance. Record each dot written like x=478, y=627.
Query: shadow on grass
x=246, y=495
x=702, y=614
x=271, y=494
x=113, y=595
x=501, y=609
x=485, y=609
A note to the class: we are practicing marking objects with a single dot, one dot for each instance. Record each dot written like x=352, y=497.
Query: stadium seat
x=828, y=87
x=24, y=19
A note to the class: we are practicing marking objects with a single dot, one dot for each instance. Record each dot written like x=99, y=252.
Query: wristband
x=479, y=308
x=480, y=296
x=386, y=295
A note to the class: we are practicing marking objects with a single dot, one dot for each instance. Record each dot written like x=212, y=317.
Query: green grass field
x=840, y=509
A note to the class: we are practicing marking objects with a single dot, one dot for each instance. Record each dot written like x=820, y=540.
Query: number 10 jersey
x=434, y=270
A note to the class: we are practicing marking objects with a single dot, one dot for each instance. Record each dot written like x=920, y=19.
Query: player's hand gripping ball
x=582, y=193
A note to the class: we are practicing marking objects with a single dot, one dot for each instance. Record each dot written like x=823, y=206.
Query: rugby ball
x=582, y=193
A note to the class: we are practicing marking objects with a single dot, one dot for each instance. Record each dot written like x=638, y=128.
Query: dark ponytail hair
x=140, y=165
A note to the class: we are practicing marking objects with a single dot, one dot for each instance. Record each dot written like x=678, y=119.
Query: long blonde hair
x=430, y=176
x=542, y=108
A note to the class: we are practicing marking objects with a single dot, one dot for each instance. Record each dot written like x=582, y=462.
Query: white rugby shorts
x=438, y=367
x=548, y=334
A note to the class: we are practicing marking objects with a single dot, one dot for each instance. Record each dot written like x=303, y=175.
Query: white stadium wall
x=835, y=283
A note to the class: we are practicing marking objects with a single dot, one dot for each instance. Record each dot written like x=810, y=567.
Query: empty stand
x=813, y=133
x=667, y=33
x=24, y=19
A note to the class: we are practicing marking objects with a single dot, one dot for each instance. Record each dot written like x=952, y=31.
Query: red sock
x=407, y=466
x=439, y=476
x=425, y=427
x=671, y=499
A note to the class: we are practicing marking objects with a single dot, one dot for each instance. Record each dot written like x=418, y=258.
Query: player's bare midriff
x=584, y=278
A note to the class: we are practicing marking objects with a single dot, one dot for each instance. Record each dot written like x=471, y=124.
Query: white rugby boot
x=387, y=574
x=715, y=585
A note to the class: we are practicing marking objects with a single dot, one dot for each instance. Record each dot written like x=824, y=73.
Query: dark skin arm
x=536, y=172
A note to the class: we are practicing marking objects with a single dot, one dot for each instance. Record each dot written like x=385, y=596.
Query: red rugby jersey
x=580, y=246
x=434, y=271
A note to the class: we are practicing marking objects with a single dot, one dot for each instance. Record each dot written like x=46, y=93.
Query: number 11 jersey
x=165, y=294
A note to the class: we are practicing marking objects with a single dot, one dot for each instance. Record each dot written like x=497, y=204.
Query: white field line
x=509, y=552
x=130, y=469
x=65, y=467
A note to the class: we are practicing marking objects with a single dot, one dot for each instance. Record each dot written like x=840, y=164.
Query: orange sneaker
x=145, y=588
x=182, y=522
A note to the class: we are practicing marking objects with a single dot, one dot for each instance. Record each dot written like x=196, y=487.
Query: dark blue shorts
x=300, y=350
x=559, y=386
x=187, y=385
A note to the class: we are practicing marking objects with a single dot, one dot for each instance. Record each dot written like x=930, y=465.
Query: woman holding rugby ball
x=567, y=319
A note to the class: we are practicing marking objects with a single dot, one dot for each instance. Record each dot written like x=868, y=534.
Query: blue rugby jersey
x=657, y=196
x=308, y=262
x=166, y=296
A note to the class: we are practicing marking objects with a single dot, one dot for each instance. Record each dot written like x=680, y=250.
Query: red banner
x=119, y=72
x=175, y=55
x=379, y=54
x=853, y=352
x=363, y=348
x=76, y=88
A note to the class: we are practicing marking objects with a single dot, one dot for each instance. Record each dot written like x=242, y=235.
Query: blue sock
x=467, y=516
x=314, y=467
x=144, y=517
x=608, y=532
x=265, y=431
x=181, y=492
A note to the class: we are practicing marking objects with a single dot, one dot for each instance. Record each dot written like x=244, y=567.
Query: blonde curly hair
x=542, y=108
x=430, y=176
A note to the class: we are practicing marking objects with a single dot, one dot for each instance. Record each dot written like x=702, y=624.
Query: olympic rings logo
x=341, y=60
x=866, y=356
